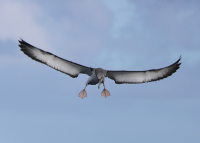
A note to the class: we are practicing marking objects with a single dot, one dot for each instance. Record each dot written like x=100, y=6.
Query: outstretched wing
x=135, y=77
x=53, y=61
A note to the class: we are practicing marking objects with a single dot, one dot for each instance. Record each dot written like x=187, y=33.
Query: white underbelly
x=93, y=79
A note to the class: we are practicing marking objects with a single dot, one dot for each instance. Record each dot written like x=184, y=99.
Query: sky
x=40, y=104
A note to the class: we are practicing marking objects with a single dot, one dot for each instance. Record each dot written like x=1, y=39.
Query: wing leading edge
x=135, y=77
x=53, y=61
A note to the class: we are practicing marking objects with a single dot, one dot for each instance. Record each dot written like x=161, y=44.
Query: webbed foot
x=82, y=94
x=105, y=93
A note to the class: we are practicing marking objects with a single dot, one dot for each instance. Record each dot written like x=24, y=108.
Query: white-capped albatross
x=97, y=75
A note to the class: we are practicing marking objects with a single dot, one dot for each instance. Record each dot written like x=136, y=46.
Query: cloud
x=122, y=11
x=114, y=31
x=20, y=19
x=81, y=28
x=85, y=26
x=156, y=30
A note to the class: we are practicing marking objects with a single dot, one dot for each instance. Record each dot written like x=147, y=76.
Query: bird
x=96, y=75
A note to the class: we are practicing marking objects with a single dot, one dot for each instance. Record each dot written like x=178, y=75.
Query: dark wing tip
x=24, y=43
x=172, y=69
x=26, y=48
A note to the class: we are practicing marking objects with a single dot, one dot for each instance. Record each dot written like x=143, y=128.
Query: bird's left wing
x=135, y=77
x=53, y=61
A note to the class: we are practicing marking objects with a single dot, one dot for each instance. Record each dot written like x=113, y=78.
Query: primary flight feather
x=97, y=75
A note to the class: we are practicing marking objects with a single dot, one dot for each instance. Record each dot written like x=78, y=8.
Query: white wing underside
x=62, y=65
x=135, y=77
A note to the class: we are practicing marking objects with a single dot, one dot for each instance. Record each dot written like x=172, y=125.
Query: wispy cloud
x=91, y=29
x=82, y=27
x=156, y=29
x=21, y=19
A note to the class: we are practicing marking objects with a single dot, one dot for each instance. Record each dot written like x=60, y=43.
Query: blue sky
x=39, y=104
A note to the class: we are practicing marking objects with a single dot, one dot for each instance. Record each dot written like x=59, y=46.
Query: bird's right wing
x=53, y=61
x=135, y=77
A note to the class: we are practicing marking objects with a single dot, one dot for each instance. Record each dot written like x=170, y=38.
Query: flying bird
x=96, y=75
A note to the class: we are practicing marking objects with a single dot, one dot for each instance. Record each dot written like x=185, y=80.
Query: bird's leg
x=105, y=92
x=100, y=81
x=83, y=93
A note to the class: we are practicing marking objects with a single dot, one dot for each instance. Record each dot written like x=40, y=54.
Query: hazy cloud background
x=39, y=104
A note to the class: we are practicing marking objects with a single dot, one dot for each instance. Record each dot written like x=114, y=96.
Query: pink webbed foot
x=105, y=93
x=82, y=94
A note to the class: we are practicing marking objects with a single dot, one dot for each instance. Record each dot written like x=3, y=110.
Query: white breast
x=93, y=79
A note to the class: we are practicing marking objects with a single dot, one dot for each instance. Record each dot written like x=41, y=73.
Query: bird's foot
x=82, y=94
x=105, y=93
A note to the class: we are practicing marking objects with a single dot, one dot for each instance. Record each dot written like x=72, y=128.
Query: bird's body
x=92, y=80
x=96, y=75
